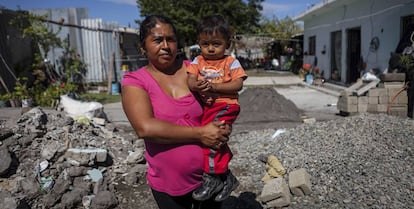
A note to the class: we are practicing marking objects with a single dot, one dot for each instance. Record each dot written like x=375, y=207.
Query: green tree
x=282, y=29
x=48, y=84
x=243, y=16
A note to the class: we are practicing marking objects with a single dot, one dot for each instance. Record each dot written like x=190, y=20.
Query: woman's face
x=161, y=45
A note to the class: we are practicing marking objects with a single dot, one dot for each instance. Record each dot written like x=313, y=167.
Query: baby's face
x=213, y=46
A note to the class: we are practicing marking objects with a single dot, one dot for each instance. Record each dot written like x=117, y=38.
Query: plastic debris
x=278, y=132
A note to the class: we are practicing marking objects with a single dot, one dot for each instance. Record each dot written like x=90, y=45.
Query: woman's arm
x=138, y=109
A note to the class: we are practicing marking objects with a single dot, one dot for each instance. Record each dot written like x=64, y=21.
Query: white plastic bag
x=75, y=108
x=369, y=77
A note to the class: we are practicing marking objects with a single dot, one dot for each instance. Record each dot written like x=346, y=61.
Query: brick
x=299, y=182
x=275, y=189
x=372, y=100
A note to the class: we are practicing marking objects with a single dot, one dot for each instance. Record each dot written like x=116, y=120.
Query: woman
x=163, y=111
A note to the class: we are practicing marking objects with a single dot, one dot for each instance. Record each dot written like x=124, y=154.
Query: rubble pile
x=50, y=160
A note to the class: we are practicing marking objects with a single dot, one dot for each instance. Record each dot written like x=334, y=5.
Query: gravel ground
x=363, y=161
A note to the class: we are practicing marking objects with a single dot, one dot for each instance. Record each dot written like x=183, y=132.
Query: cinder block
x=398, y=111
x=275, y=189
x=377, y=92
x=348, y=99
x=382, y=107
x=388, y=85
x=373, y=108
x=377, y=108
x=373, y=100
x=362, y=107
x=383, y=100
x=391, y=77
x=299, y=182
x=402, y=98
x=363, y=100
x=351, y=108
x=393, y=92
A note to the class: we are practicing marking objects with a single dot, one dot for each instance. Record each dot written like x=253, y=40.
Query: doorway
x=336, y=54
x=354, y=60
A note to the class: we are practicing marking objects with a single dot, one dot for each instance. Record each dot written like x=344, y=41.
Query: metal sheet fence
x=101, y=49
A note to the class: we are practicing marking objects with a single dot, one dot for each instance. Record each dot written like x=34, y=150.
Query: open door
x=353, y=61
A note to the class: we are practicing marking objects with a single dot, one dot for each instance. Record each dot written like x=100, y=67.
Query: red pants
x=217, y=161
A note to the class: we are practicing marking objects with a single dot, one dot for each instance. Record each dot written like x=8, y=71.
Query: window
x=312, y=45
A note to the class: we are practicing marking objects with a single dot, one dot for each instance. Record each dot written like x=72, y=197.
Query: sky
x=125, y=12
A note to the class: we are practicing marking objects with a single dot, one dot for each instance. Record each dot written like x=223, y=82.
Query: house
x=346, y=38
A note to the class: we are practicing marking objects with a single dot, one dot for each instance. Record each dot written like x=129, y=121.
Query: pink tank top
x=175, y=169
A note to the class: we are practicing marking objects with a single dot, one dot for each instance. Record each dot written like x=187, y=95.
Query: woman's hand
x=215, y=134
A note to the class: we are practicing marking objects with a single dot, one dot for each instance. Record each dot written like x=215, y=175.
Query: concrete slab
x=315, y=103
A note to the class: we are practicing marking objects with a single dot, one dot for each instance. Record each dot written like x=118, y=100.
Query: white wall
x=379, y=18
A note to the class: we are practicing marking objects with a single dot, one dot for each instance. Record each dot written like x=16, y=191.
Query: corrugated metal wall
x=70, y=16
x=99, y=47
x=95, y=47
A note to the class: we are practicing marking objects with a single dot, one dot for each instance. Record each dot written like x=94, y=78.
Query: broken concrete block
x=87, y=156
x=278, y=203
x=309, y=120
x=274, y=189
x=5, y=161
x=99, y=121
x=299, y=182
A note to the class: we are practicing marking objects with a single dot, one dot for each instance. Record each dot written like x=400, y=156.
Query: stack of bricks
x=385, y=96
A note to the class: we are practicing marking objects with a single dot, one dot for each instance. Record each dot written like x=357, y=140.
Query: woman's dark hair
x=214, y=24
x=149, y=23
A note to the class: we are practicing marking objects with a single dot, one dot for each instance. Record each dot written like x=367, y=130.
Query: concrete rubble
x=49, y=160
x=276, y=192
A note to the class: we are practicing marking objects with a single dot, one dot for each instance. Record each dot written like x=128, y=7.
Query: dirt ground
x=263, y=108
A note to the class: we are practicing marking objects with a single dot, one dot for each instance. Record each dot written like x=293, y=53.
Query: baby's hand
x=203, y=86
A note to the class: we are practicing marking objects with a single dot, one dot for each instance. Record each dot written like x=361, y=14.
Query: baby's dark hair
x=215, y=24
x=149, y=23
